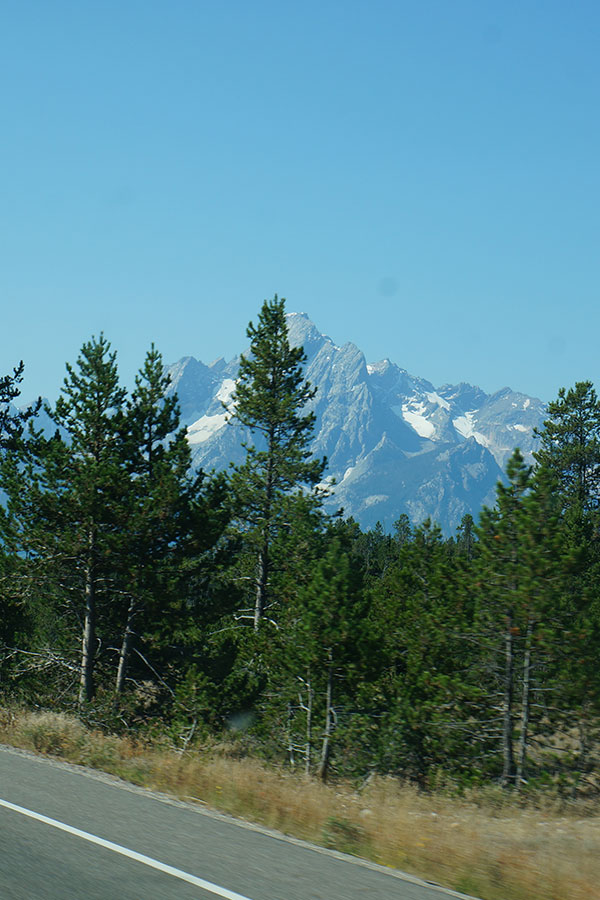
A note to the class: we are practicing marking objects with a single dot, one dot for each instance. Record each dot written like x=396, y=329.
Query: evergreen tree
x=570, y=448
x=504, y=571
x=161, y=497
x=175, y=522
x=269, y=399
x=106, y=523
x=317, y=654
x=11, y=420
x=91, y=485
x=329, y=635
x=14, y=622
x=375, y=550
x=466, y=538
x=67, y=504
x=521, y=572
x=422, y=686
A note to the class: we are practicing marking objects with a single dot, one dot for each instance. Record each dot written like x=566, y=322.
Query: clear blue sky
x=421, y=178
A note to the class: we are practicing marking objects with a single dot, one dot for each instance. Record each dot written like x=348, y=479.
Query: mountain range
x=395, y=443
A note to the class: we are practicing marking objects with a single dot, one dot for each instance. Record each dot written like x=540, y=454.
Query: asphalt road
x=180, y=851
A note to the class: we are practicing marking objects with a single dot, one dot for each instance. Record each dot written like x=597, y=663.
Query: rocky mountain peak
x=395, y=443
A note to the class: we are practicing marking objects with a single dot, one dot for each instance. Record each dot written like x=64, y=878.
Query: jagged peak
x=391, y=437
x=302, y=331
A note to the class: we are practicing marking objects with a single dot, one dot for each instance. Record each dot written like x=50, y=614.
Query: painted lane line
x=125, y=851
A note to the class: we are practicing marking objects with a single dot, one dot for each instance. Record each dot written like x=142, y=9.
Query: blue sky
x=421, y=178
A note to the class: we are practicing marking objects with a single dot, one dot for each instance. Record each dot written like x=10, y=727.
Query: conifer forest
x=151, y=599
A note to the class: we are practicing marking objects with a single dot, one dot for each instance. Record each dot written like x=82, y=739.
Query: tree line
x=146, y=596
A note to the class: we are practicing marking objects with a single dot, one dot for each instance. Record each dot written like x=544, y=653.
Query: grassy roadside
x=485, y=844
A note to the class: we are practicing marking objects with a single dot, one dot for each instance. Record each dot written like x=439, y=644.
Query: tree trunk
x=326, y=749
x=128, y=636
x=308, y=748
x=262, y=570
x=508, y=762
x=291, y=749
x=88, y=644
x=525, y=706
x=262, y=574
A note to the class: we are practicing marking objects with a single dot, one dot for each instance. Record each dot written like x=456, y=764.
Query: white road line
x=131, y=854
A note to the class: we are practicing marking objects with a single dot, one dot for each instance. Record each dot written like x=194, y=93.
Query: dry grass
x=484, y=845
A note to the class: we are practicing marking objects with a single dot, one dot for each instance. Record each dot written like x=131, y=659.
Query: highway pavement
x=67, y=833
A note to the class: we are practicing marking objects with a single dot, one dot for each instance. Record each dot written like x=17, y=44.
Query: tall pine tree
x=270, y=399
x=570, y=450
x=67, y=503
x=521, y=571
x=161, y=496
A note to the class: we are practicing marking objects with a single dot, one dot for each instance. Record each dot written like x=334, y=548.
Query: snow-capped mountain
x=394, y=442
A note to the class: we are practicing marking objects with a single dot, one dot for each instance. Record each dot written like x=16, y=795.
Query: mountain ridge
x=394, y=442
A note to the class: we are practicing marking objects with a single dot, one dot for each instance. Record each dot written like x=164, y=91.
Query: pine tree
x=11, y=420
x=504, y=571
x=417, y=616
x=521, y=570
x=318, y=651
x=67, y=502
x=269, y=399
x=466, y=538
x=175, y=520
x=93, y=482
x=570, y=449
x=329, y=633
x=161, y=497
x=13, y=617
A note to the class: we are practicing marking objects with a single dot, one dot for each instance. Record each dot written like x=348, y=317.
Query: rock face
x=394, y=443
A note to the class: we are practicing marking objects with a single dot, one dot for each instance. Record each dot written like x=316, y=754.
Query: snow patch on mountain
x=225, y=391
x=433, y=397
x=464, y=424
x=416, y=418
x=204, y=428
x=376, y=498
